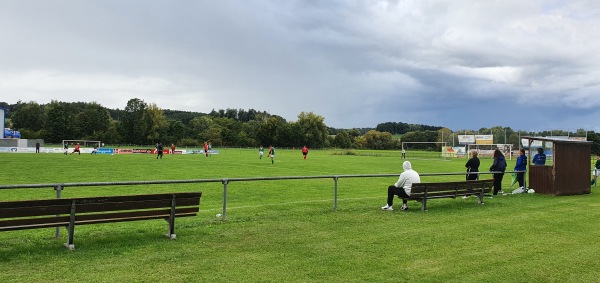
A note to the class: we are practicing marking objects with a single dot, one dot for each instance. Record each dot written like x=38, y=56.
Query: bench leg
x=171, y=235
x=71, y=229
x=424, y=204
x=480, y=197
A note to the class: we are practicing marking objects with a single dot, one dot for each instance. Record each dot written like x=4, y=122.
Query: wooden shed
x=567, y=171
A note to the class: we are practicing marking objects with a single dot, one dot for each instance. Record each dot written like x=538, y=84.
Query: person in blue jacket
x=522, y=167
x=540, y=157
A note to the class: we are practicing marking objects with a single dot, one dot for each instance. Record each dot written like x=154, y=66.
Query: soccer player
x=159, y=150
x=206, y=148
x=76, y=149
x=261, y=152
x=272, y=154
x=172, y=148
x=304, y=151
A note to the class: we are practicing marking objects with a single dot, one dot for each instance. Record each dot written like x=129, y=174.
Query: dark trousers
x=394, y=191
x=521, y=179
x=472, y=176
x=498, y=182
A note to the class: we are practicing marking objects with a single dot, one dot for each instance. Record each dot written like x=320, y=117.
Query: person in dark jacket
x=473, y=166
x=521, y=166
x=499, y=166
x=540, y=157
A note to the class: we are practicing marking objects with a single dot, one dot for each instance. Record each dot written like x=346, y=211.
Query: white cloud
x=357, y=63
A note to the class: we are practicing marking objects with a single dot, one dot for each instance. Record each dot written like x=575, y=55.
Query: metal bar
x=58, y=189
x=224, y=214
x=158, y=182
x=335, y=190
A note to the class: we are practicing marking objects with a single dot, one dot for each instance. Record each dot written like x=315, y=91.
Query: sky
x=462, y=64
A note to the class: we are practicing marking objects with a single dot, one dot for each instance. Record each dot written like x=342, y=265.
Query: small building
x=567, y=170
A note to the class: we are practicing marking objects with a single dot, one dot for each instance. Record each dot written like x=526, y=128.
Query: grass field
x=287, y=231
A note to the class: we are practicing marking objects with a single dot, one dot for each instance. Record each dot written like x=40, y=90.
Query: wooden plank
x=120, y=208
x=63, y=206
x=67, y=201
x=47, y=222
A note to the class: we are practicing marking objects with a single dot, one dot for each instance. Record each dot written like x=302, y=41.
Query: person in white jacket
x=403, y=186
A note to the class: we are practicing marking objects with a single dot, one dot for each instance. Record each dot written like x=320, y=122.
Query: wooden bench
x=421, y=192
x=70, y=212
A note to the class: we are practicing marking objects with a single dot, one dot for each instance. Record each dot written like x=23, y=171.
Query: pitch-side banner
x=484, y=139
x=466, y=139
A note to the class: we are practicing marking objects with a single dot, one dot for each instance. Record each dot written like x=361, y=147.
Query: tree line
x=140, y=123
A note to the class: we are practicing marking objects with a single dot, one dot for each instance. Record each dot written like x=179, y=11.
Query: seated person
x=540, y=157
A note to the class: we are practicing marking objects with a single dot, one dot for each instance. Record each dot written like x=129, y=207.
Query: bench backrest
x=446, y=189
x=31, y=214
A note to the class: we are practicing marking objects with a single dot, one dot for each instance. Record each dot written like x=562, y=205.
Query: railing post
x=225, y=181
x=335, y=182
x=58, y=189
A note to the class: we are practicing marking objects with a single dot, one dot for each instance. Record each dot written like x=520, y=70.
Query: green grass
x=287, y=231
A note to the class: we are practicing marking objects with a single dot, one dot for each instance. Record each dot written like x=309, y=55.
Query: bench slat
x=67, y=201
x=424, y=191
x=86, y=207
x=47, y=222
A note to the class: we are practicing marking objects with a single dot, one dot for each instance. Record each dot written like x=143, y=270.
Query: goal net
x=83, y=143
x=432, y=150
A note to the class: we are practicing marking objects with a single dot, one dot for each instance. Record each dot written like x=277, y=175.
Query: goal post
x=83, y=143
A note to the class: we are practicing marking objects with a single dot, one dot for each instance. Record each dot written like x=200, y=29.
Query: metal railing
x=59, y=187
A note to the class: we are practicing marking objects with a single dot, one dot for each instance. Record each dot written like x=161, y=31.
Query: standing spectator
x=540, y=157
x=304, y=151
x=76, y=149
x=272, y=154
x=521, y=166
x=403, y=187
x=159, y=150
x=498, y=167
x=172, y=148
x=37, y=147
x=261, y=152
x=206, y=148
x=473, y=166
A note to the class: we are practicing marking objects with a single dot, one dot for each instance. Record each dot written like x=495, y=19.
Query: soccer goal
x=84, y=143
x=423, y=150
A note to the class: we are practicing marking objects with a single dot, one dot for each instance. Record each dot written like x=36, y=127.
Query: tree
x=156, y=124
x=313, y=129
x=343, y=140
x=269, y=130
x=92, y=121
x=133, y=127
x=58, y=125
x=29, y=116
x=379, y=140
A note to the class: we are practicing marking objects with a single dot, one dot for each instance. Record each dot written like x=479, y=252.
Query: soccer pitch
x=287, y=230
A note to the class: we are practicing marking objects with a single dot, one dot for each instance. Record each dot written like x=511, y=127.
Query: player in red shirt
x=76, y=149
x=305, y=151
x=206, y=148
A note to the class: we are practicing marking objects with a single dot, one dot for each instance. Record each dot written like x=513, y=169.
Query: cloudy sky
x=464, y=64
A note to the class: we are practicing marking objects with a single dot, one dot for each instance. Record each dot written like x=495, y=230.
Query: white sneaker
x=466, y=197
x=387, y=207
x=404, y=207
